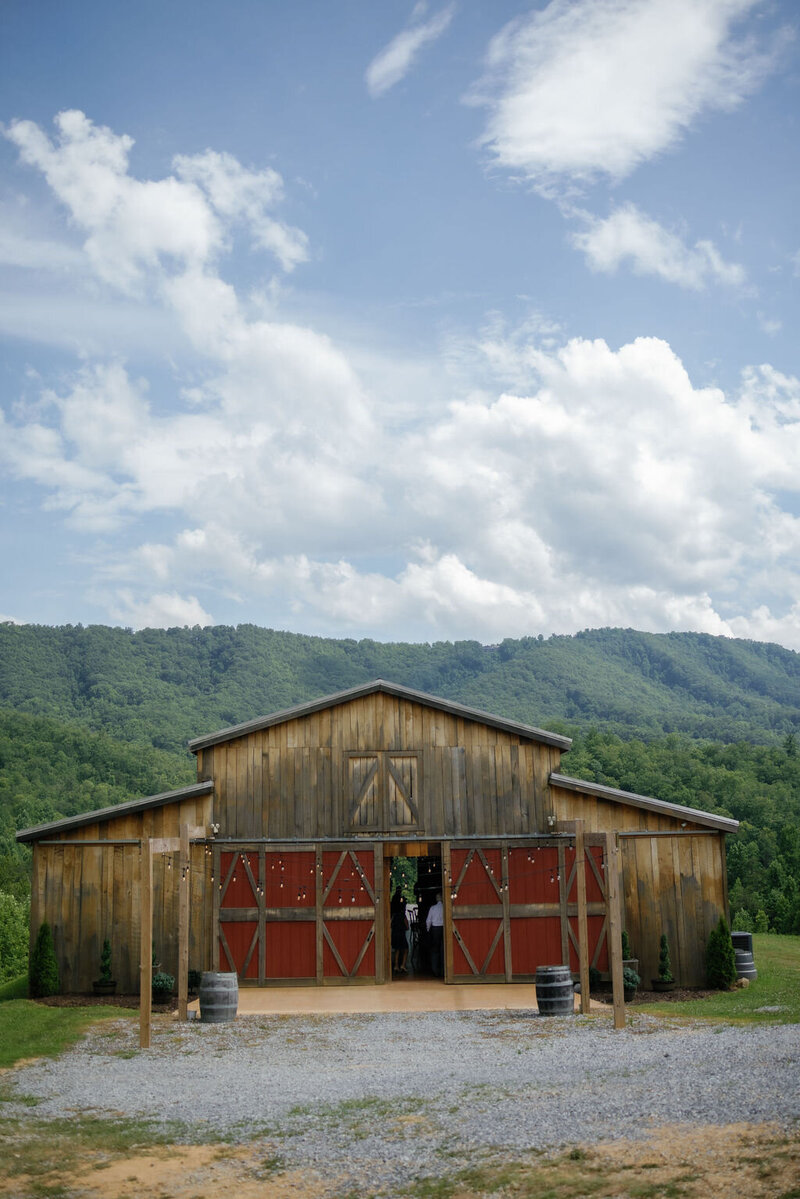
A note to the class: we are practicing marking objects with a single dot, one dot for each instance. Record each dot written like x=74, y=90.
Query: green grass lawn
x=29, y=1029
x=777, y=961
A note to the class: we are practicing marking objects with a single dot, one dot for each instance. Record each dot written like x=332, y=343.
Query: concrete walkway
x=401, y=996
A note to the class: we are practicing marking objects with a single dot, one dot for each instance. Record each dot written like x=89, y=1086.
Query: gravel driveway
x=394, y=1095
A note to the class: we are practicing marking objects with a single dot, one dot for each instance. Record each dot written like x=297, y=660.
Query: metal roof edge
x=723, y=823
x=399, y=691
x=103, y=814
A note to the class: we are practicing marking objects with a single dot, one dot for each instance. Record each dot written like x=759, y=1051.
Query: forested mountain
x=92, y=716
x=164, y=686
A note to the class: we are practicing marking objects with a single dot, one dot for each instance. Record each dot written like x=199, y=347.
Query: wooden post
x=447, y=907
x=318, y=912
x=509, y=969
x=614, y=929
x=146, y=944
x=583, y=923
x=381, y=871
x=183, y=924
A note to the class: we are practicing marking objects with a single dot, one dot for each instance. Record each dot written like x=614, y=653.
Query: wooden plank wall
x=293, y=780
x=88, y=894
x=674, y=885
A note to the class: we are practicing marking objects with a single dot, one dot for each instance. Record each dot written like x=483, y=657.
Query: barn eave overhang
x=451, y=707
x=695, y=815
x=101, y=815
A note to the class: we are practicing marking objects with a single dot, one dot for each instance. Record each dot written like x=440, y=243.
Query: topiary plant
x=162, y=986
x=626, y=947
x=720, y=958
x=664, y=964
x=43, y=970
x=105, y=963
x=630, y=979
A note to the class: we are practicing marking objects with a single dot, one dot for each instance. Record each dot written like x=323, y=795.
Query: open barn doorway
x=415, y=952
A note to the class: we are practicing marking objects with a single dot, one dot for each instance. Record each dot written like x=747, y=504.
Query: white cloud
x=396, y=59
x=628, y=235
x=584, y=88
x=158, y=611
x=170, y=225
x=568, y=484
x=238, y=194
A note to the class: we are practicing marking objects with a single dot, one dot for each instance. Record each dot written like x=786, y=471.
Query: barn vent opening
x=416, y=952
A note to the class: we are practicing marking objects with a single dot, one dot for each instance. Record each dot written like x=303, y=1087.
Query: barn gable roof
x=121, y=809
x=709, y=819
x=395, y=689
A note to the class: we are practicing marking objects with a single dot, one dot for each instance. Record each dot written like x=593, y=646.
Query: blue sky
x=405, y=321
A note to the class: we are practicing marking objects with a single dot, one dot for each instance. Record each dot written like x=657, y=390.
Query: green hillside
x=92, y=716
x=164, y=686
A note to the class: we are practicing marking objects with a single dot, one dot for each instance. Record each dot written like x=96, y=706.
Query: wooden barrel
x=554, y=991
x=219, y=997
x=742, y=941
x=745, y=965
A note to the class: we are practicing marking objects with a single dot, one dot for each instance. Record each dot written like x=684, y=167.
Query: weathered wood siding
x=675, y=885
x=89, y=893
x=379, y=763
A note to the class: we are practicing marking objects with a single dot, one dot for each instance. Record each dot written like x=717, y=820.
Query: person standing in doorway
x=398, y=928
x=435, y=927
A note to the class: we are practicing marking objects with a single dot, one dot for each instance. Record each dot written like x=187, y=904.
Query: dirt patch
x=178, y=1172
x=693, y=1162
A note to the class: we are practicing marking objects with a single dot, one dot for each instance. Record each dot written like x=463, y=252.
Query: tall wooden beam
x=614, y=929
x=146, y=943
x=583, y=923
x=447, y=902
x=183, y=923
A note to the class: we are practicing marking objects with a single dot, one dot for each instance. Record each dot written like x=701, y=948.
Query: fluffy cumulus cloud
x=579, y=484
x=396, y=59
x=628, y=236
x=588, y=88
x=135, y=226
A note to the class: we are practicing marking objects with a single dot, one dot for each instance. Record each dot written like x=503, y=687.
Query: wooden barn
x=279, y=856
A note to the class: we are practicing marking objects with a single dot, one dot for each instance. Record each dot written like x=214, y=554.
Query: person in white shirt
x=435, y=927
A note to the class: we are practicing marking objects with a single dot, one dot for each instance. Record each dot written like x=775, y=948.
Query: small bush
x=626, y=946
x=194, y=980
x=43, y=974
x=761, y=924
x=664, y=964
x=162, y=986
x=630, y=979
x=595, y=978
x=720, y=958
x=743, y=921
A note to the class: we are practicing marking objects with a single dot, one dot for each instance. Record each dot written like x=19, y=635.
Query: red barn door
x=477, y=914
x=348, y=914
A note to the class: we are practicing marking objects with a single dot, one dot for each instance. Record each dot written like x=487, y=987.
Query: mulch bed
x=680, y=993
x=93, y=1000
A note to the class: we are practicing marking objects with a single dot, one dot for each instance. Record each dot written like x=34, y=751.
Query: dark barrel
x=219, y=997
x=742, y=941
x=554, y=991
x=745, y=965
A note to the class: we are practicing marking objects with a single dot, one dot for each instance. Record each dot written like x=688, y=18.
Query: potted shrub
x=627, y=954
x=630, y=981
x=163, y=985
x=193, y=981
x=666, y=979
x=105, y=984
